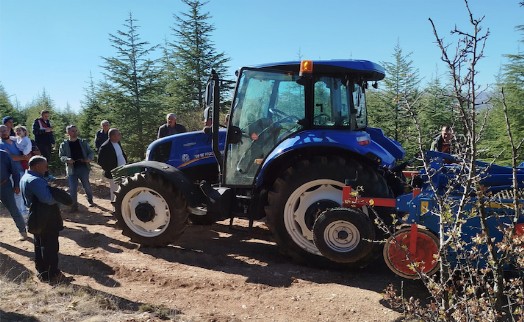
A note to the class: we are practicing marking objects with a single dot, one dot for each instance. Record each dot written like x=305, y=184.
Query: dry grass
x=22, y=298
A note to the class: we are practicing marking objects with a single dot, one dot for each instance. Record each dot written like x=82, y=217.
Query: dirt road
x=214, y=273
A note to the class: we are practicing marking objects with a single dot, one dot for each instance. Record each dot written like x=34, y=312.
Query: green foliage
x=7, y=108
x=512, y=83
x=132, y=90
x=435, y=111
x=390, y=105
x=92, y=113
x=189, y=60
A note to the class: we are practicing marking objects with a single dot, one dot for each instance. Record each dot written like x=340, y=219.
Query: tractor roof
x=365, y=69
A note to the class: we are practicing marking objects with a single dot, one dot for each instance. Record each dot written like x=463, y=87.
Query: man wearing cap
x=9, y=122
x=171, y=127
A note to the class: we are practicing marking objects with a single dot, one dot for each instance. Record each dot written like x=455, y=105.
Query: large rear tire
x=303, y=191
x=150, y=210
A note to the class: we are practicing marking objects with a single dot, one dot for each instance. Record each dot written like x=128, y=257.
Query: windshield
x=266, y=108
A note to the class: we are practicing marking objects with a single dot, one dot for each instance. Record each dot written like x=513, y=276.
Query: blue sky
x=57, y=44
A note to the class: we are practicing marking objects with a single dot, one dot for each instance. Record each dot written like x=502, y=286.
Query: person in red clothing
x=44, y=137
x=442, y=142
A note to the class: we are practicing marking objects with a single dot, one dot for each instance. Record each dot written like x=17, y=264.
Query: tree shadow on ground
x=107, y=301
x=11, y=316
x=253, y=254
x=94, y=268
x=13, y=270
x=90, y=240
x=75, y=265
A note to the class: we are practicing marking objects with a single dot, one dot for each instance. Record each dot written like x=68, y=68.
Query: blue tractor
x=297, y=132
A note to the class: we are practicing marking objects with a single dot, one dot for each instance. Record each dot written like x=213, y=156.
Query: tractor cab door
x=338, y=103
x=267, y=108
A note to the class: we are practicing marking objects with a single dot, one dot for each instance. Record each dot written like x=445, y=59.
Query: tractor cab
x=275, y=101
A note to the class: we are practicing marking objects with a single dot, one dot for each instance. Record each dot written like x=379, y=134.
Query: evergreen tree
x=92, y=112
x=7, y=108
x=401, y=89
x=435, y=111
x=132, y=89
x=512, y=81
x=191, y=57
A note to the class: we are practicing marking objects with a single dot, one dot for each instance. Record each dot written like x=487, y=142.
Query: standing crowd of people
x=24, y=179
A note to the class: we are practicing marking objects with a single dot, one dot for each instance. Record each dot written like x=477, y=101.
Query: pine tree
x=401, y=88
x=7, y=108
x=132, y=89
x=435, y=111
x=512, y=81
x=92, y=112
x=192, y=56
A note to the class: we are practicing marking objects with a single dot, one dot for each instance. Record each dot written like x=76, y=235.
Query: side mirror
x=209, y=93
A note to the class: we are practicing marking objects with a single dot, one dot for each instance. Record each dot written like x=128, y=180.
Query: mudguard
x=170, y=173
x=357, y=142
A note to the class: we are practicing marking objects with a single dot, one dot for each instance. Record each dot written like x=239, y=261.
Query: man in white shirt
x=110, y=156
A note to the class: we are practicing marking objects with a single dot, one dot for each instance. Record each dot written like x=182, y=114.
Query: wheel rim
x=341, y=236
x=301, y=202
x=397, y=248
x=145, y=212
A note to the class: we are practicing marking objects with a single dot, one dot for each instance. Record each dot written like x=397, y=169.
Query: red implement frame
x=353, y=200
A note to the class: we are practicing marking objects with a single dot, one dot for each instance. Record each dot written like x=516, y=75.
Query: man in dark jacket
x=44, y=137
x=110, y=156
x=442, y=142
x=171, y=127
x=102, y=134
x=45, y=220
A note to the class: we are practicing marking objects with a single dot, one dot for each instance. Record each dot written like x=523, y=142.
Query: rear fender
x=357, y=143
x=170, y=173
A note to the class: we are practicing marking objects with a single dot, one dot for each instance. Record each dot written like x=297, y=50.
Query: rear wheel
x=304, y=191
x=150, y=210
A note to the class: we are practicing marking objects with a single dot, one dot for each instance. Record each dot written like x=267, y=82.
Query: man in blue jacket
x=77, y=156
x=8, y=190
x=38, y=198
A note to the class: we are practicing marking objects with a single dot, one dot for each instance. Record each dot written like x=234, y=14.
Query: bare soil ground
x=213, y=273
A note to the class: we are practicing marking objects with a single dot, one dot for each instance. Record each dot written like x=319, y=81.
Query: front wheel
x=150, y=210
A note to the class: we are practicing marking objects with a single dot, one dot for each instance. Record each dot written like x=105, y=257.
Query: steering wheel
x=282, y=116
x=321, y=118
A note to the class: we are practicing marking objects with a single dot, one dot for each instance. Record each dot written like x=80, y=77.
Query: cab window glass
x=331, y=105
